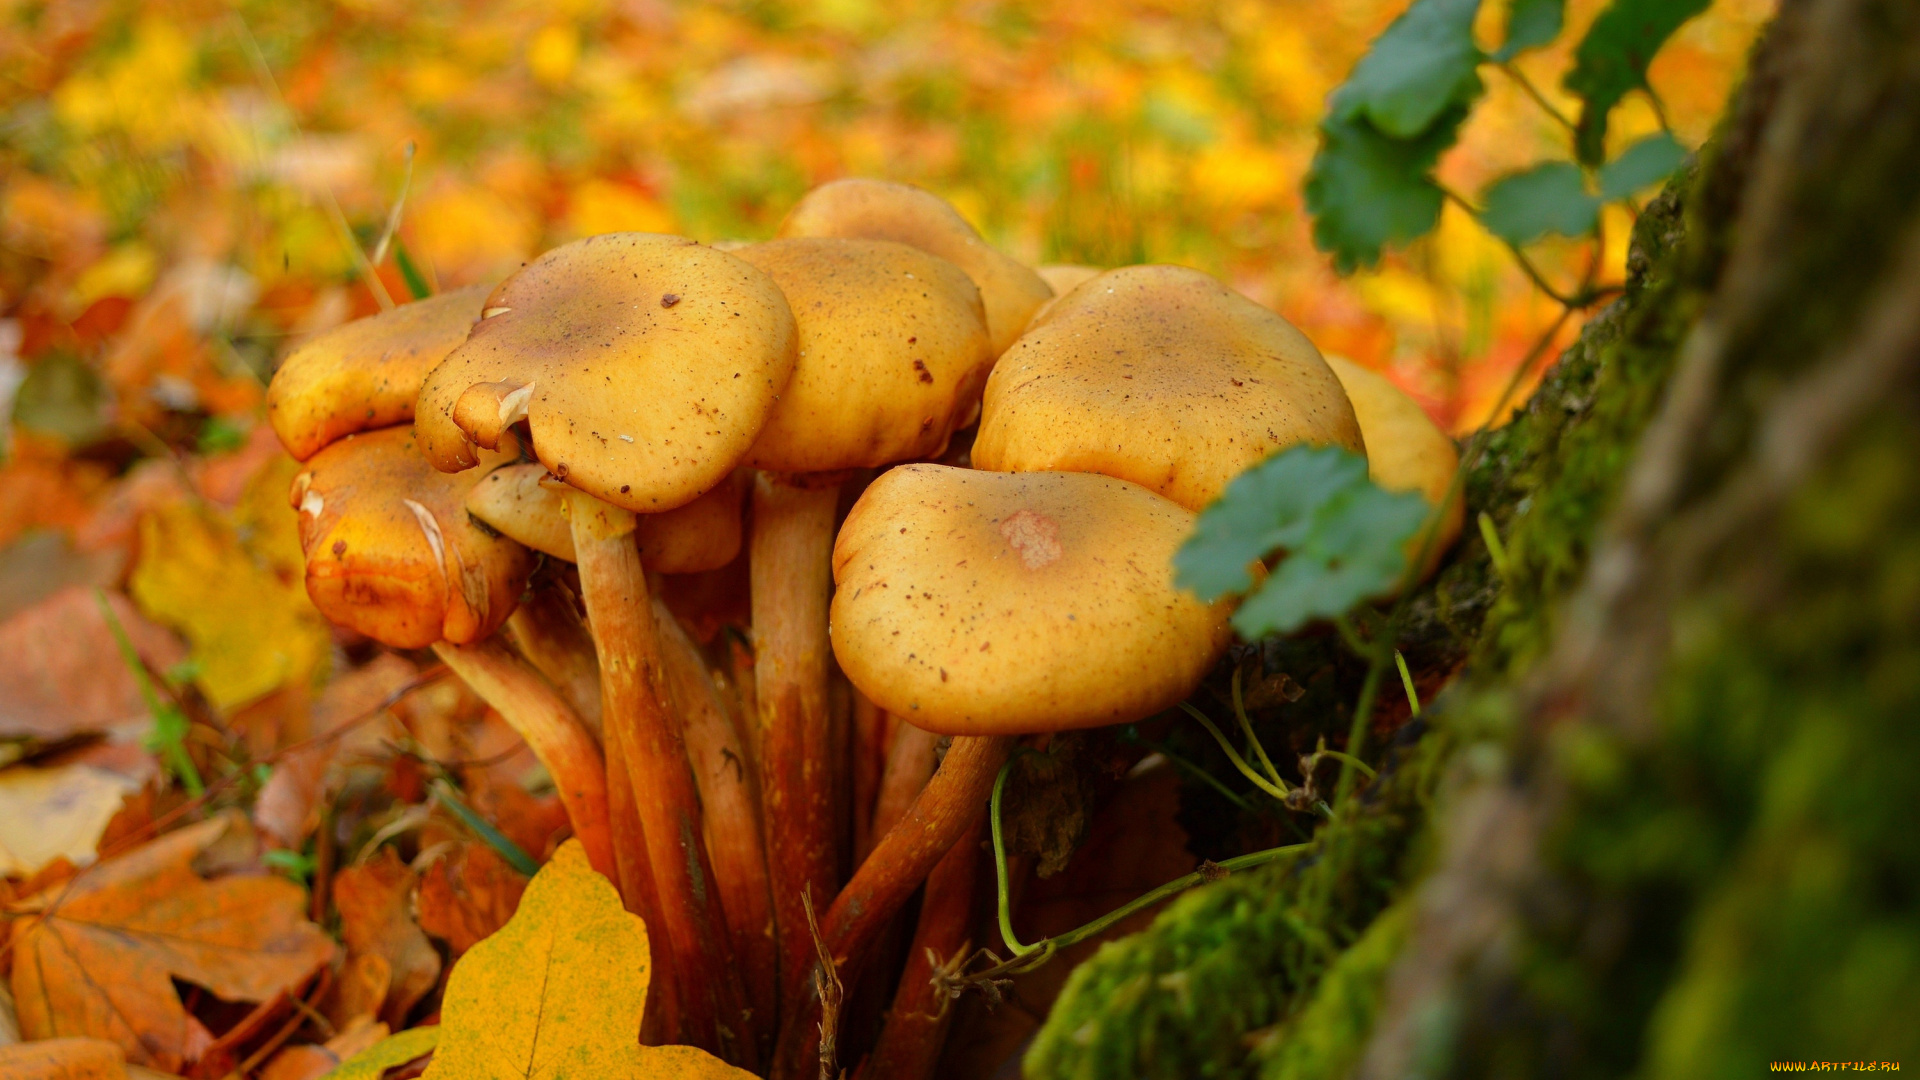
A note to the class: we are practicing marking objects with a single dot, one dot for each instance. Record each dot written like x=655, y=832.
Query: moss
x=1325, y=1038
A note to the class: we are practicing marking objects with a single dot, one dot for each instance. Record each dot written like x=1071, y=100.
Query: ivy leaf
x=1648, y=161
x=1531, y=24
x=1550, y=197
x=1345, y=539
x=1613, y=58
x=1366, y=190
x=1419, y=67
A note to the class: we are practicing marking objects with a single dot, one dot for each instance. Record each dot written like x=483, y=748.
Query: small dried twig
x=827, y=985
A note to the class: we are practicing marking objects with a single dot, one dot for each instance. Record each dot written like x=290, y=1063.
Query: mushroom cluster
x=547, y=483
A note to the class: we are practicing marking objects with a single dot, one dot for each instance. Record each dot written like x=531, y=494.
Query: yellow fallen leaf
x=46, y=814
x=558, y=993
x=252, y=630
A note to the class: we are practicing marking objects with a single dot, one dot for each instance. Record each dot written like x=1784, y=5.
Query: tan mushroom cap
x=879, y=210
x=1162, y=376
x=702, y=535
x=643, y=364
x=366, y=374
x=973, y=603
x=1406, y=451
x=390, y=550
x=1063, y=278
x=893, y=354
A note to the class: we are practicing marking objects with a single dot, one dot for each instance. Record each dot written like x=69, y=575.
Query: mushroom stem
x=954, y=800
x=916, y=1026
x=870, y=742
x=635, y=702
x=910, y=764
x=661, y=1023
x=556, y=736
x=731, y=811
x=792, y=579
x=549, y=630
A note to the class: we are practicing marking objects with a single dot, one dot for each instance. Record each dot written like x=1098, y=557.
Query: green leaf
x=1345, y=539
x=1418, y=68
x=62, y=396
x=1531, y=24
x=1613, y=59
x=1550, y=197
x=1648, y=161
x=1366, y=190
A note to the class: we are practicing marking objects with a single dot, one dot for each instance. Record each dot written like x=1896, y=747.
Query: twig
x=827, y=986
x=1533, y=92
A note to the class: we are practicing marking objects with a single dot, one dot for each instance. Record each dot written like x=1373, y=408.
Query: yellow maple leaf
x=556, y=994
x=252, y=630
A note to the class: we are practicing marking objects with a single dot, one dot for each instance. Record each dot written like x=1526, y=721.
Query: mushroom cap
x=879, y=210
x=1406, y=451
x=645, y=366
x=973, y=603
x=705, y=534
x=391, y=551
x=1162, y=376
x=893, y=354
x=366, y=374
x=1063, y=278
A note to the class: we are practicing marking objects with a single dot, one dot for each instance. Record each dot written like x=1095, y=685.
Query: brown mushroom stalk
x=731, y=811
x=952, y=802
x=790, y=561
x=910, y=764
x=916, y=1025
x=661, y=1024
x=872, y=735
x=550, y=630
x=538, y=713
x=637, y=710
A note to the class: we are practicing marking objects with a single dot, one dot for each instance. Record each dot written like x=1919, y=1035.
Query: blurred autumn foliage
x=188, y=188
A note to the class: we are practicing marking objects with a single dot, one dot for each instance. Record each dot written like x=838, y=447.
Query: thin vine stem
x=1246, y=728
x=1278, y=791
x=1028, y=957
x=1533, y=92
x=1189, y=767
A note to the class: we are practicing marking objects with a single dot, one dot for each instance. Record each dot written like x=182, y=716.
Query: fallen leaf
x=360, y=990
x=312, y=1062
x=251, y=631
x=468, y=895
x=375, y=900
x=64, y=673
x=46, y=814
x=98, y=956
x=393, y=1050
x=43, y=562
x=288, y=808
x=560, y=990
x=63, y=1059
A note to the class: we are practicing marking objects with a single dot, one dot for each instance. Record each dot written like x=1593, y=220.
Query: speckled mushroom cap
x=893, y=354
x=1405, y=450
x=390, y=550
x=879, y=210
x=702, y=535
x=366, y=374
x=973, y=603
x=1063, y=278
x=643, y=364
x=1162, y=376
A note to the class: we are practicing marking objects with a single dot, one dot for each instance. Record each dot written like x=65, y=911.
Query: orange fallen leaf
x=64, y=672
x=97, y=956
x=468, y=895
x=63, y=1059
x=314, y=1061
x=396, y=1049
x=375, y=900
x=559, y=991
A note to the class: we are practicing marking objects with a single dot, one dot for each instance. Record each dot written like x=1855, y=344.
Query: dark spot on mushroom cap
x=669, y=299
x=339, y=547
x=624, y=488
